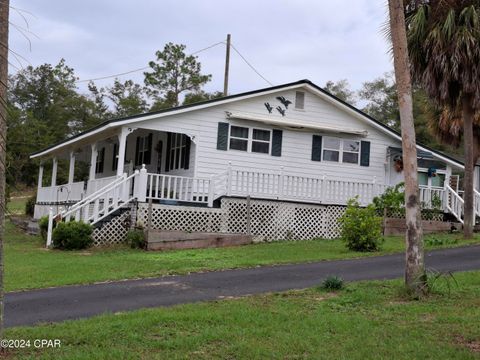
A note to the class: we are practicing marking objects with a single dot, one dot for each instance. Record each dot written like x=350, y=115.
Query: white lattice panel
x=182, y=218
x=114, y=231
x=276, y=220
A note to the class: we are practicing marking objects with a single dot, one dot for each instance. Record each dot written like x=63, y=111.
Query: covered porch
x=73, y=172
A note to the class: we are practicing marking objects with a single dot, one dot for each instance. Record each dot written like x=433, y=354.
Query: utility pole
x=4, y=13
x=227, y=66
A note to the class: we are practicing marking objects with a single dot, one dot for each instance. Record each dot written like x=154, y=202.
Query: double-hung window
x=341, y=150
x=239, y=138
x=351, y=151
x=250, y=140
x=261, y=141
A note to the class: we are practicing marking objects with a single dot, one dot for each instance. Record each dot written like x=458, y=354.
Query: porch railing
x=180, y=188
x=293, y=187
x=61, y=193
x=97, y=184
x=454, y=203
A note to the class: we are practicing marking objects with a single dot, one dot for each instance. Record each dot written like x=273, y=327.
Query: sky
x=284, y=40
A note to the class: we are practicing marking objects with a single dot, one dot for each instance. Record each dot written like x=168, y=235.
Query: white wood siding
x=296, y=146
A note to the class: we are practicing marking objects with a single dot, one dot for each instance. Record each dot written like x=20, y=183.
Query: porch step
x=114, y=214
x=169, y=240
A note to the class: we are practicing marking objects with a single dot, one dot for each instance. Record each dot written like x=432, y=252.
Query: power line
x=143, y=68
x=250, y=65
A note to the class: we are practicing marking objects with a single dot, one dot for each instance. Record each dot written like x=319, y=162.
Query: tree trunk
x=468, y=213
x=4, y=9
x=415, y=280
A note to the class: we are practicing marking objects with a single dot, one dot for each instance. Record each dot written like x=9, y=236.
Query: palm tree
x=443, y=39
x=415, y=279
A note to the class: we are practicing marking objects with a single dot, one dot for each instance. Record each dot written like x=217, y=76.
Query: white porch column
x=54, y=172
x=122, y=146
x=71, y=169
x=40, y=176
x=93, y=162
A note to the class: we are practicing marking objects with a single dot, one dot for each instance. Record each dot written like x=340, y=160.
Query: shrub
x=332, y=283
x=43, y=225
x=361, y=228
x=392, y=199
x=30, y=205
x=436, y=240
x=136, y=239
x=73, y=235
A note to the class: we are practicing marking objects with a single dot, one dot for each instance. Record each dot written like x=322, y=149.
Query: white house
x=293, y=143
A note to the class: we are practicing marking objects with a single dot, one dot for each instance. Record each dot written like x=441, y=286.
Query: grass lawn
x=29, y=265
x=367, y=320
x=16, y=205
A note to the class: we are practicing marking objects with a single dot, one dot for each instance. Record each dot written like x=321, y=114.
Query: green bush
x=392, y=199
x=136, y=239
x=332, y=283
x=30, y=205
x=43, y=225
x=73, y=235
x=361, y=228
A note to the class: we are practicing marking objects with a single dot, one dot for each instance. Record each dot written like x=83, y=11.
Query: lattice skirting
x=270, y=220
x=182, y=218
x=113, y=231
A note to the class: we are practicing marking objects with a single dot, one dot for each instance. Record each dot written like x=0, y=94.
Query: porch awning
x=294, y=124
x=420, y=153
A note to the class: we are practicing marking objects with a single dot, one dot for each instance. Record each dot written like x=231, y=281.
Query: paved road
x=74, y=302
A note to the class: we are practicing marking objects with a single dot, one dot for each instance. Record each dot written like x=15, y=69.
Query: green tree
x=44, y=108
x=174, y=73
x=382, y=104
x=128, y=98
x=341, y=89
x=199, y=96
x=381, y=97
x=444, y=47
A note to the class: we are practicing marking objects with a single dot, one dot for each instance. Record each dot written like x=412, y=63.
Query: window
x=256, y=140
x=100, y=161
x=143, y=152
x=331, y=149
x=341, y=150
x=239, y=138
x=299, y=100
x=261, y=141
x=351, y=150
x=425, y=180
x=178, y=152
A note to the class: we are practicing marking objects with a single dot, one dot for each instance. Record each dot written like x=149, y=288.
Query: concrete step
x=169, y=240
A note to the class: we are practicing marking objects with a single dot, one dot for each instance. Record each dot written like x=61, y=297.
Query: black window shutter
x=114, y=157
x=277, y=142
x=100, y=161
x=137, y=151
x=167, y=153
x=147, y=156
x=222, y=136
x=316, y=148
x=365, y=153
x=186, y=153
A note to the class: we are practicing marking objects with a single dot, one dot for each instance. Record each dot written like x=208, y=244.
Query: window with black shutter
x=178, y=152
x=115, y=157
x=143, y=150
x=100, y=161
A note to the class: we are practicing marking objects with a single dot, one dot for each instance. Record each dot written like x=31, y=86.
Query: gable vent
x=299, y=100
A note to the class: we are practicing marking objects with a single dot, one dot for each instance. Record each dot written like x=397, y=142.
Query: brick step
x=169, y=240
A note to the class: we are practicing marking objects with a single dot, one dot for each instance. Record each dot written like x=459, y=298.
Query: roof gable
x=305, y=84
